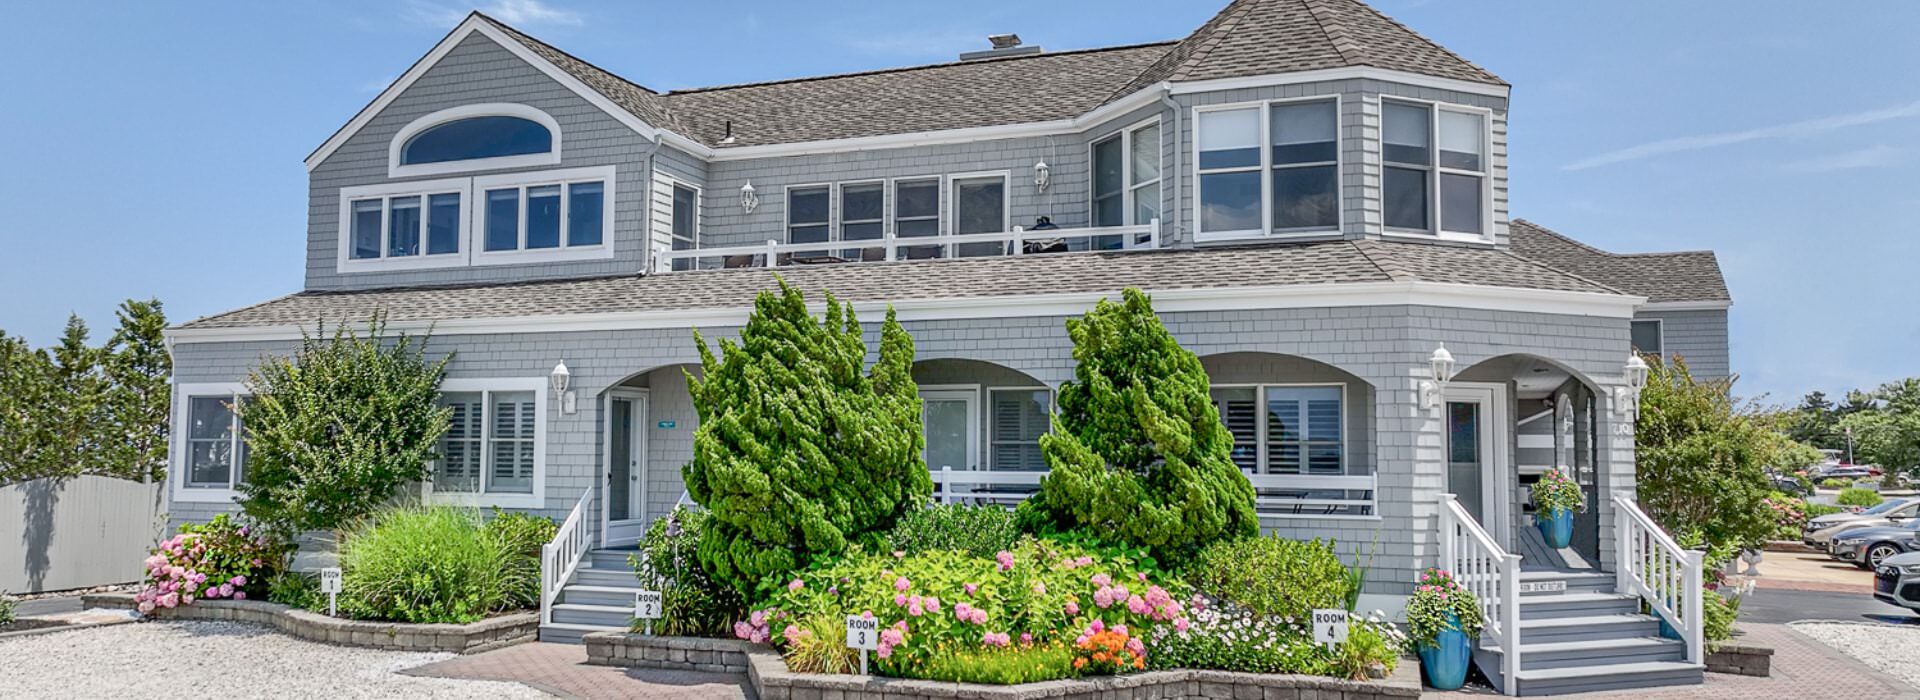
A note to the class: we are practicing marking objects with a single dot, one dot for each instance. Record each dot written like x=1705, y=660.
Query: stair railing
x=1665, y=575
x=561, y=557
x=1492, y=574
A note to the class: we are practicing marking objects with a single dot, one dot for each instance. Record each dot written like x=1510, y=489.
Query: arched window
x=475, y=138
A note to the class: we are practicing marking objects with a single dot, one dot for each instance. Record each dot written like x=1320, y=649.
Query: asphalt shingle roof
x=1329, y=262
x=1248, y=37
x=1660, y=277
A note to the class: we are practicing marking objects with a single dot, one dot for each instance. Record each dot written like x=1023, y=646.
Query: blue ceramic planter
x=1556, y=526
x=1445, y=661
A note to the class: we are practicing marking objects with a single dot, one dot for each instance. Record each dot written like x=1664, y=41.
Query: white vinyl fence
x=75, y=533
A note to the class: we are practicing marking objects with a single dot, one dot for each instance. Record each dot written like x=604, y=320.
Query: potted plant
x=1443, y=619
x=1555, y=499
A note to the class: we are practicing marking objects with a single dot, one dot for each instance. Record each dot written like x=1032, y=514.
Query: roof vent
x=1004, y=45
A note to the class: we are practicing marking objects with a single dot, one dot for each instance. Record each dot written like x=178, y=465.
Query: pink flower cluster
x=996, y=639
x=968, y=613
x=757, y=627
x=1077, y=562
x=917, y=605
x=892, y=637
x=201, y=562
x=1005, y=558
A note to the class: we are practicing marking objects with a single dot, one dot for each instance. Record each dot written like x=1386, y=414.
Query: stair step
x=568, y=633
x=1575, y=582
x=598, y=595
x=609, y=559
x=1577, y=603
x=605, y=577
x=608, y=616
x=1597, y=652
x=1586, y=628
x=1585, y=679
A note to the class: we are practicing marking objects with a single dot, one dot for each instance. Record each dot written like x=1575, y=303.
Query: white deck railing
x=1491, y=574
x=1317, y=496
x=1664, y=574
x=1019, y=241
x=559, y=558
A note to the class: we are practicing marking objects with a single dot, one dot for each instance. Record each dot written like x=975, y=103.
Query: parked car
x=1868, y=546
x=1847, y=471
x=1897, y=581
x=1820, y=531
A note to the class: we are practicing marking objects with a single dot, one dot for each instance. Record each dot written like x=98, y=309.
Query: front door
x=950, y=418
x=1475, y=418
x=624, y=498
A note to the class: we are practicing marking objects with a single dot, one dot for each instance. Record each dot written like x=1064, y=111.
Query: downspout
x=646, y=212
x=1179, y=219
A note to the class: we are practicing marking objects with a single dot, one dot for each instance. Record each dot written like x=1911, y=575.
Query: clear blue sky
x=154, y=149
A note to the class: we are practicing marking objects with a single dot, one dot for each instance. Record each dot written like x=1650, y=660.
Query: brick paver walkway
x=1803, y=669
x=562, y=670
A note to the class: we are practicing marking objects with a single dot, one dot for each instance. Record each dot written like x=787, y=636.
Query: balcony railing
x=890, y=247
x=1277, y=495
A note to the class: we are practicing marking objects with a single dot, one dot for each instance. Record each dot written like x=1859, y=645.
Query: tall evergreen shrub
x=799, y=453
x=1137, y=452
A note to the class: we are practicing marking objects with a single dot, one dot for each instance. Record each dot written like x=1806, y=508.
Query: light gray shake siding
x=1699, y=337
x=478, y=71
x=1382, y=348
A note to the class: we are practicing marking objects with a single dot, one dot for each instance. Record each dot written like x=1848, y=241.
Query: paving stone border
x=1741, y=659
x=773, y=681
x=485, y=635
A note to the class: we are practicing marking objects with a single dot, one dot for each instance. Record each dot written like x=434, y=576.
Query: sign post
x=863, y=633
x=1329, y=627
x=330, y=585
x=646, y=607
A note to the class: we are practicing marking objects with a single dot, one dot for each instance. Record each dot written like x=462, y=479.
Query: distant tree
x=1858, y=402
x=81, y=387
x=26, y=426
x=77, y=409
x=1814, y=422
x=1890, y=436
x=137, y=369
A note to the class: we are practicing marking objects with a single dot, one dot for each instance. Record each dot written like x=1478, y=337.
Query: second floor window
x=916, y=214
x=544, y=216
x=1269, y=169
x=809, y=212
x=685, y=223
x=1126, y=180
x=980, y=206
x=476, y=138
x=405, y=226
x=1648, y=337
x=1435, y=174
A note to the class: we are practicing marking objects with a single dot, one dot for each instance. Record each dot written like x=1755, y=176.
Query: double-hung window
x=1306, y=166
x=492, y=450
x=980, y=206
x=1017, y=417
x=863, y=217
x=1436, y=169
x=809, y=216
x=684, y=226
x=1269, y=169
x=1126, y=180
x=211, y=444
x=916, y=214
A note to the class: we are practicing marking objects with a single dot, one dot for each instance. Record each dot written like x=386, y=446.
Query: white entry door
x=951, y=422
x=1479, y=461
x=623, y=500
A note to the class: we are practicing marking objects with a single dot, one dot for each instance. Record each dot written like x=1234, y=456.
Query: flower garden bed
x=485, y=635
x=773, y=681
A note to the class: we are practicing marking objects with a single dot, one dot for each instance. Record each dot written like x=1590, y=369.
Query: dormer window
x=471, y=138
x=1269, y=169
x=1435, y=170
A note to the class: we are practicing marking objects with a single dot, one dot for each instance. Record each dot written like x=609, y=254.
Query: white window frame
x=488, y=387
x=477, y=215
x=987, y=408
x=950, y=204
x=424, y=189
x=183, y=394
x=699, y=203
x=1260, y=423
x=1434, y=171
x=1266, y=230
x=495, y=109
x=837, y=212
x=970, y=394
x=1660, y=331
x=786, y=211
x=1127, y=187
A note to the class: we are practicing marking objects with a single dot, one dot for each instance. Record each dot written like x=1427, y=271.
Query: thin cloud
x=516, y=12
x=1876, y=156
x=1779, y=131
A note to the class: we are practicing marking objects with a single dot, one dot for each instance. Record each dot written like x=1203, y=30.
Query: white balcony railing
x=1277, y=495
x=1664, y=574
x=1019, y=241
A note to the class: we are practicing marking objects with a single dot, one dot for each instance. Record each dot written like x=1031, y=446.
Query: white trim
x=1328, y=74
x=471, y=25
x=487, y=386
x=345, y=263
x=1686, y=306
x=1462, y=296
x=637, y=421
x=477, y=237
x=968, y=394
x=1434, y=170
x=1266, y=168
x=1660, y=329
x=182, y=419
x=950, y=204
x=454, y=114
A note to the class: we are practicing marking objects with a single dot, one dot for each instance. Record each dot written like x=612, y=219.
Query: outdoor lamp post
x=559, y=379
x=1440, y=368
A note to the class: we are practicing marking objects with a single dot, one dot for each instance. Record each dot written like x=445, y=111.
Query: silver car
x=1897, y=581
x=1819, y=531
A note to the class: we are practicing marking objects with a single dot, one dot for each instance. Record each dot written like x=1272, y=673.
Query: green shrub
x=692, y=603
x=339, y=429
x=1721, y=611
x=1836, y=483
x=7, y=615
x=1137, y=452
x=1864, y=498
x=1815, y=510
x=1012, y=665
x=429, y=565
x=1702, y=457
x=799, y=453
x=939, y=603
x=296, y=589
x=1226, y=637
x=818, y=644
x=978, y=530
x=523, y=535
x=1272, y=575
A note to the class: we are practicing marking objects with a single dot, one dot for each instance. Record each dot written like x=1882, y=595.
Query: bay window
x=1435, y=172
x=492, y=450
x=1269, y=169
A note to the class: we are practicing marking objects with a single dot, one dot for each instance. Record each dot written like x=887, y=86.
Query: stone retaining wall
x=485, y=635
x=1741, y=660
x=773, y=681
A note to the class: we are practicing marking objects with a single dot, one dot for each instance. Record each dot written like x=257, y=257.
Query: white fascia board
x=1327, y=74
x=1024, y=306
x=1686, y=306
x=472, y=25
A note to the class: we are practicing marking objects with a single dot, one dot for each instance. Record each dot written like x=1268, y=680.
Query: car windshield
x=1884, y=507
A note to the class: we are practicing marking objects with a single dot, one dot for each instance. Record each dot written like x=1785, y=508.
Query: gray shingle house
x=1315, y=195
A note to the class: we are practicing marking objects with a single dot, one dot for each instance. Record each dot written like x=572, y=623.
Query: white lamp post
x=1440, y=369
x=559, y=379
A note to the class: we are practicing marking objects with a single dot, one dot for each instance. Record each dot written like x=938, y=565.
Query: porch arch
x=1304, y=432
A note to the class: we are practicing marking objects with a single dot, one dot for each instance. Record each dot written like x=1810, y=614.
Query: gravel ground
x=1888, y=649
x=218, y=660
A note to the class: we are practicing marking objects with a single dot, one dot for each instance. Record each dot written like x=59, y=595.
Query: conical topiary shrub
x=799, y=453
x=1137, y=452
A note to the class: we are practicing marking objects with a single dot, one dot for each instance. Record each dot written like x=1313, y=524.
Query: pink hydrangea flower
x=902, y=584
x=995, y=639
x=916, y=609
x=1101, y=580
x=1072, y=608
x=1026, y=637
x=1097, y=626
x=979, y=616
x=1137, y=605
x=1005, y=558
x=1138, y=647
x=796, y=585
x=971, y=588
x=742, y=630
x=239, y=595
x=932, y=603
x=1039, y=588
x=1180, y=624
x=900, y=599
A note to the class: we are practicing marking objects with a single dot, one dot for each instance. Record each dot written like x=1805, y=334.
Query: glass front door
x=1474, y=419
x=950, y=419
x=1465, y=463
x=624, y=497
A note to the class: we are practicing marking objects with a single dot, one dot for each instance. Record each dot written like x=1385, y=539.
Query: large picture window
x=491, y=452
x=1269, y=169
x=1435, y=169
x=545, y=216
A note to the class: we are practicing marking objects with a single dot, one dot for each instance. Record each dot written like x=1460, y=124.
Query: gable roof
x=1686, y=276
x=987, y=278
